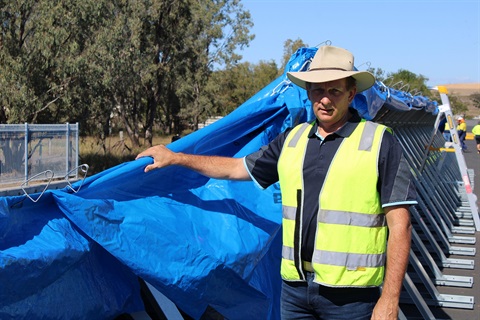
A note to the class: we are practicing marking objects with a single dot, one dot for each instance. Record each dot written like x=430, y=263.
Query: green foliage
x=457, y=105
x=408, y=81
x=213, y=45
x=235, y=85
x=475, y=97
x=115, y=63
x=137, y=66
x=289, y=48
x=378, y=73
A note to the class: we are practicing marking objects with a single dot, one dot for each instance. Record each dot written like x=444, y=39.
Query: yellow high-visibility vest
x=476, y=130
x=351, y=233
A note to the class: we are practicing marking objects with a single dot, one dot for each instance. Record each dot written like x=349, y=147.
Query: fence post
x=67, y=151
x=26, y=152
x=77, y=149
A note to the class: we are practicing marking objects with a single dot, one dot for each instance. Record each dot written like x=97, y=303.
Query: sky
x=437, y=39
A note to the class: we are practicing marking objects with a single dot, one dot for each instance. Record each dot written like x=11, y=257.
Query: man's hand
x=162, y=157
x=398, y=249
x=210, y=166
x=385, y=309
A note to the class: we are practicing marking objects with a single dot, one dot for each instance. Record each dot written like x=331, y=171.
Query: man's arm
x=398, y=250
x=210, y=166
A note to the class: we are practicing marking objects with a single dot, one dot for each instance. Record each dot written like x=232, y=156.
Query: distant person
x=441, y=125
x=476, y=133
x=446, y=132
x=462, y=132
x=346, y=187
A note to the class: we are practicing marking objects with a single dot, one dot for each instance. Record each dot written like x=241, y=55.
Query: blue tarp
x=199, y=241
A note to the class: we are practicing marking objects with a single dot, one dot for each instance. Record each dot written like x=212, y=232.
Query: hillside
x=463, y=89
x=463, y=92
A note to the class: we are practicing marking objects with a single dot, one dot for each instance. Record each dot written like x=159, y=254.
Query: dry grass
x=463, y=89
x=115, y=152
x=115, y=145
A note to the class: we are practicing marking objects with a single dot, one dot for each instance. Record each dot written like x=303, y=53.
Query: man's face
x=330, y=100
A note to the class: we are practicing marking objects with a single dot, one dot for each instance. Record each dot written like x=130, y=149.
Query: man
x=343, y=181
x=446, y=131
x=462, y=132
x=476, y=133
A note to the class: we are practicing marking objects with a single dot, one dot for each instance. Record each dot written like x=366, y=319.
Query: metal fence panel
x=28, y=150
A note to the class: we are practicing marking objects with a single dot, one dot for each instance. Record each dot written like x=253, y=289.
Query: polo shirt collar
x=346, y=130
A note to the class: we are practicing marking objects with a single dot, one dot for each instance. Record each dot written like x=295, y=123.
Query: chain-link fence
x=30, y=152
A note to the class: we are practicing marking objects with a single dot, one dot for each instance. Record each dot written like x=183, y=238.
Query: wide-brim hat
x=332, y=63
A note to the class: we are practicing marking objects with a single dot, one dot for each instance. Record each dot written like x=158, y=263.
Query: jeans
x=461, y=136
x=309, y=300
x=447, y=136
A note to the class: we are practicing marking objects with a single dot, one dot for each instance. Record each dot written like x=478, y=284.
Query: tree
x=27, y=84
x=475, y=97
x=233, y=86
x=217, y=30
x=378, y=73
x=289, y=48
x=54, y=70
x=264, y=73
x=408, y=81
x=457, y=105
x=132, y=64
x=42, y=62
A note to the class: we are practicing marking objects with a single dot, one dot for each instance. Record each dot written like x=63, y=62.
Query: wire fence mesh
x=27, y=150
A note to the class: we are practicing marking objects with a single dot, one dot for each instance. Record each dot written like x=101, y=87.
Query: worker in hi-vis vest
x=346, y=189
x=476, y=133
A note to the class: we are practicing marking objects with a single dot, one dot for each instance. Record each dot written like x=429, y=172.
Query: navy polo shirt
x=394, y=184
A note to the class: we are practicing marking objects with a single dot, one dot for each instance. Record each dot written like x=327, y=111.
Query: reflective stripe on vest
x=350, y=241
x=291, y=266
